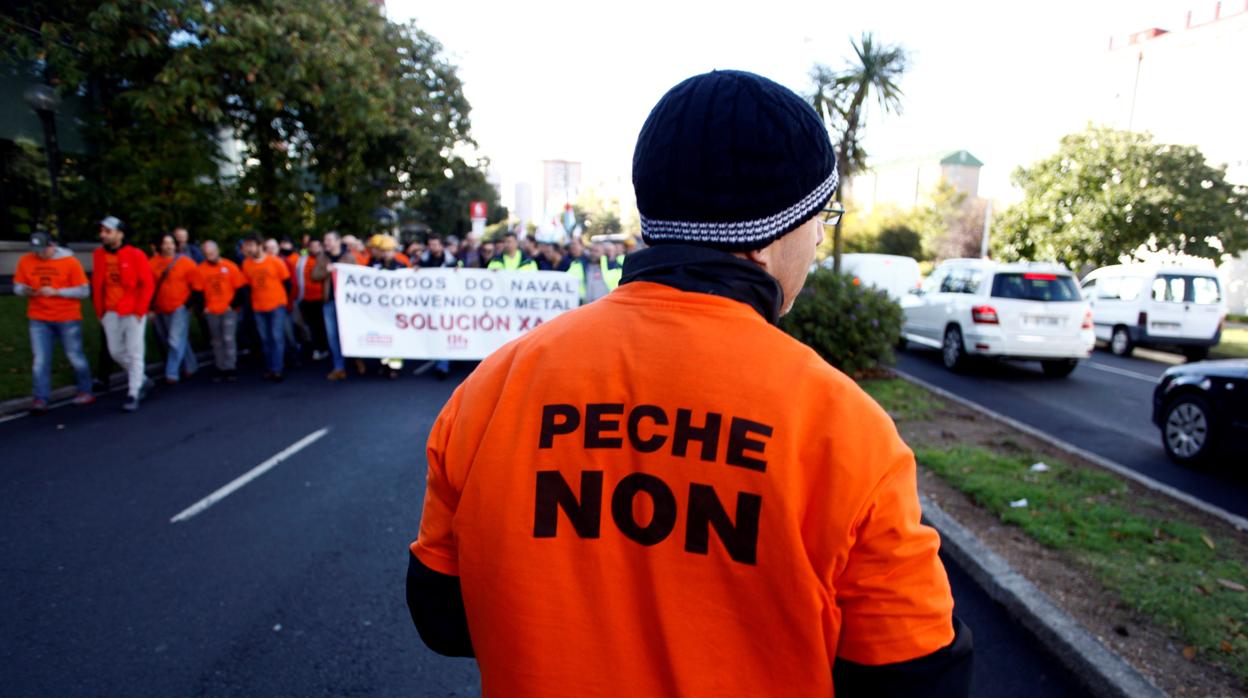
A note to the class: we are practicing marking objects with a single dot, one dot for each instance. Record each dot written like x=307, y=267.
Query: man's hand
x=47, y=291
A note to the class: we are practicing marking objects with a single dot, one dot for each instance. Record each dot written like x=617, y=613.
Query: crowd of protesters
x=275, y=297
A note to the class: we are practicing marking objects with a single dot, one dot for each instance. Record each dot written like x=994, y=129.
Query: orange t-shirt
x=113, y=290
x=266, y=277
x=362, y=258
x=173, y=292
x=403, y=259
x=219, y=282
x=312, y=290
x=37, y=273
x=726, y=514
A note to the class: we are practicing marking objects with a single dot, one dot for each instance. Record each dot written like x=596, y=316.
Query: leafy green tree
x=338, y=111
x=900, y=240
x=1107, y=194
x=841, y=98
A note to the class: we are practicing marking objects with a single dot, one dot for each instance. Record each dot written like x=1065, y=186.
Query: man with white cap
x=689, y=500
x=123, y=286
x=55, y=284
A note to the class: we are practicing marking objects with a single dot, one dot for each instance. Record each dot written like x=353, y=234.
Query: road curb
x=1238, y=522
x=59, y=397
x=1099, y=669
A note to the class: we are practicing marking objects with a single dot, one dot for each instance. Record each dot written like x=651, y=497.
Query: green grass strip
x=1167, y=570
x=902, y=399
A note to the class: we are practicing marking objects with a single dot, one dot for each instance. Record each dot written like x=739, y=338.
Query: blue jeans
x=272, y=329
x=42, y=336
x=331, y=333
x=174, y=330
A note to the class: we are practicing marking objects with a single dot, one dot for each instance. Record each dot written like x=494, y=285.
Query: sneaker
x=319, y=355
x=83, y=399
x=443, y=374
x=148, y=385
x=278, y=377
x=38, y=406
x=337, y=375
x=231, y=376
x=131, y=404
x=171, y=381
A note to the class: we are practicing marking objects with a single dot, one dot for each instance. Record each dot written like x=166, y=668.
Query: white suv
x=978, y=307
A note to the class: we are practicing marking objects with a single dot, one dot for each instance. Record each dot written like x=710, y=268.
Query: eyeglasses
x=832, y=215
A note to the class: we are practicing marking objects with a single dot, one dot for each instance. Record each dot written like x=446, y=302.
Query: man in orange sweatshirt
x=700, y=505
x=123, y=286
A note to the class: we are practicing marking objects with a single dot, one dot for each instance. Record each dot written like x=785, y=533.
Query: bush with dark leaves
x=853, y=327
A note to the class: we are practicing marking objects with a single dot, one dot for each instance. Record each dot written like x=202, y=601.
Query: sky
x=553, y=79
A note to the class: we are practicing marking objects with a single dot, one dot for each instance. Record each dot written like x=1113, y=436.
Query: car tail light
x=1087, y=320
x=1143, y=320
x=984, y=315
x=1040, y=277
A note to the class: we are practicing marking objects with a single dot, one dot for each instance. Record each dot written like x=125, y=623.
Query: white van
x=1156, y=306
x=894, y=274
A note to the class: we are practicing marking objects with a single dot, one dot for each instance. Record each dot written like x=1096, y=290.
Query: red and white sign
x=443, y=313
x=477, y=210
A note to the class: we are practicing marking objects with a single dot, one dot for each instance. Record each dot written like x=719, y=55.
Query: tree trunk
x=267, y=191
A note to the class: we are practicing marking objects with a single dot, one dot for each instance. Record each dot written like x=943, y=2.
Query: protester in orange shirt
x=54, y=283
x=701, y=505
x=176, y=277
x=122, y=286
x=308, y=296
x=267, y=275
x=356, y=247
x=220, y=280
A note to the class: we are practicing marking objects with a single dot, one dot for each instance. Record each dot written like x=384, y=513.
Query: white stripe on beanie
x=736, y=233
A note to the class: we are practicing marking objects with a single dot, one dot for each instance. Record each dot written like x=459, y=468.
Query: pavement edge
x=1102, y=672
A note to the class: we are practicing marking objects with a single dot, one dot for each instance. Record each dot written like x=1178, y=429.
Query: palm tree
x=841, y=98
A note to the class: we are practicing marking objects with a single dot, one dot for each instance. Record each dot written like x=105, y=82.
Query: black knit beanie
x=730, y=160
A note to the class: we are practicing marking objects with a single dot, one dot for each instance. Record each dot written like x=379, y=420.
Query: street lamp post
x=44, y=100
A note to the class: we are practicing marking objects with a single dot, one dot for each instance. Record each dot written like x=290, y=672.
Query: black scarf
x=706, y=270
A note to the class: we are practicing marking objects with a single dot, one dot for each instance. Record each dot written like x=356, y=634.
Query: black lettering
x=706, y=511
x=595, y=425
x=664, y=519
x=550, y=428
x=639, y=413
x=739, y=442
x=554, y=493
x=684, y=432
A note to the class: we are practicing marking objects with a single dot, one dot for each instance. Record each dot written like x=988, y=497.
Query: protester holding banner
x=512, y=258
x=267, y=276
x=176, y=277
x=333, y=254
x=435, y=255
x=598, y=275
x=220, y=280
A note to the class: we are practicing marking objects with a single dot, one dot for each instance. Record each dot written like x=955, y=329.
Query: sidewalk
x=61, y=396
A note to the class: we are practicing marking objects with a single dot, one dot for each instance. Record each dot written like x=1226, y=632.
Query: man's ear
x=762, y=257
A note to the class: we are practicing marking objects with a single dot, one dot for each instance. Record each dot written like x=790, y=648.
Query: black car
x=1202, y=409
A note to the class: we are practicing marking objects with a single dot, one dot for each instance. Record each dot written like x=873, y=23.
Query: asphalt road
x=292, y=584
x=1105, y=407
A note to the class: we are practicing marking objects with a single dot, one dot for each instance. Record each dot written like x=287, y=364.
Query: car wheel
x=1196, y=353
x=952, y=351
x=1187, y=431
x=1059, y=368
x=1120, y=342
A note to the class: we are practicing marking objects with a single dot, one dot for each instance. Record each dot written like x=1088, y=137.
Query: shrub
x=852, y=327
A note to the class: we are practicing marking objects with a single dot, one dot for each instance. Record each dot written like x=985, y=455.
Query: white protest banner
x=443, y=313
